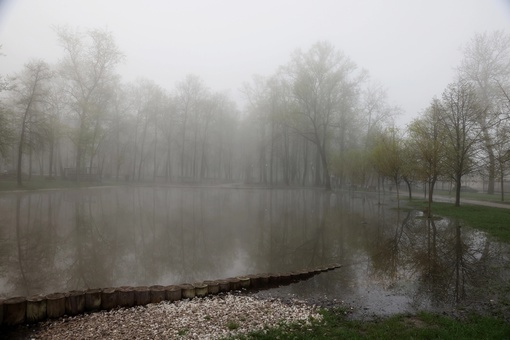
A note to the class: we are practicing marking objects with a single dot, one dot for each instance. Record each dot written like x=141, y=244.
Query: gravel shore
x=213, y=317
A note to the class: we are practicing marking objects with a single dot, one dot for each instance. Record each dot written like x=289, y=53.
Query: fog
x=411, y=48
x=206, y=133
x=161, y=91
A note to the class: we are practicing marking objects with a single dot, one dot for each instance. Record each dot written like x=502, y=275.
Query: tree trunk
x=457, y=190
x=409, y=189
x=19, y=180
x=21, y=143
x=50, y=158
x=142, y=158
x=154, y=173
x=271, y=156
x=398, y=192
x=317, y=168
x=183, y=146
x=326, y=179
x=502, y=186
x=305, y=162
x=168, y=172
x=431, y=184
x=492, y=171
x=203, y=157
x=195, y=142
x=79, y=155
x=29, y=163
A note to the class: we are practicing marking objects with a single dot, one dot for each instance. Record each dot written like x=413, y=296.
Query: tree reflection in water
x=76, y=239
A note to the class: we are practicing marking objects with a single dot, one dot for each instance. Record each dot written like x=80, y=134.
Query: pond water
x=394, y=261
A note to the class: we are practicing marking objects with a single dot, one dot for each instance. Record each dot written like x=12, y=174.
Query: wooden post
x=55, y=305
x=92, y=300
x=126, y=296
x=75, y=302
x=235, y=284
x=244, y=282
x=264, y=279
x=109, y=298
x=157, y=294
x=285, y=278
x=188, y=291
x=142, y=296
x=14, y=311
x=255, y=281
x=213, y=287
x=201, y=289
x=36, y=308
x=274, y=279
x=173, y=293
x=224, y=285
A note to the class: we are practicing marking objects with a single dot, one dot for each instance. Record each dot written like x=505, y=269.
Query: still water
x=394, y=261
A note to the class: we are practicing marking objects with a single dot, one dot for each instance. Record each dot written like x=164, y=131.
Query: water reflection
x=63, y=240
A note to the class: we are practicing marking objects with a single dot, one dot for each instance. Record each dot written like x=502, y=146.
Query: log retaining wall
x=20, y=310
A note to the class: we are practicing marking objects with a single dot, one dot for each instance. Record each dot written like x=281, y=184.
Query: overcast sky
x=411, y=47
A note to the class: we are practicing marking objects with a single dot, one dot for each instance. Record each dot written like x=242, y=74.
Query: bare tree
x=190, y=93
x=325, y=88
x=6, y=131
x=88, y=66
x=168, y=129
x=53, y=124
x=148, y=100
x=29, y=92
x=486, y=64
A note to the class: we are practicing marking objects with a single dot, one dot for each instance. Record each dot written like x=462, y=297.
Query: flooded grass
x=40, y=183
x=494, y=221
x=336, y=325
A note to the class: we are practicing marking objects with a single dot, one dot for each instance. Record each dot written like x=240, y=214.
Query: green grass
x=232, y=325
x=38, y=183
x=494, y=221
x=478, y=196
x=335, y=325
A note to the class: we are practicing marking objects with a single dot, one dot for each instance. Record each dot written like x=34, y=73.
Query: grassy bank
x=39, y=183
x=477, y=196
x=494, y=221
x=336, y=325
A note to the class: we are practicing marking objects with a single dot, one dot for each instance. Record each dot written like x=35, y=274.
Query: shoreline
x=211, y=317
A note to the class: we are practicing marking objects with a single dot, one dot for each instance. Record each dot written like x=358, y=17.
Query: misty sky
x=411, y=47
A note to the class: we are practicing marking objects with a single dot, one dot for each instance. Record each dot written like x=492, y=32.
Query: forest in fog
x=319, y=120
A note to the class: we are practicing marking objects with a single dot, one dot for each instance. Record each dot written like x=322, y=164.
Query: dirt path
x=472, y=202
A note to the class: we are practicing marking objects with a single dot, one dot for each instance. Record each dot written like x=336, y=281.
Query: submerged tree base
x=493, y=221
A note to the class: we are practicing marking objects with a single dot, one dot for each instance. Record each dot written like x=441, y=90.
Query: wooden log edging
x=19, y=310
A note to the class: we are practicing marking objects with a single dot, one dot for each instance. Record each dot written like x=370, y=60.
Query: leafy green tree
x=428, y=140
x=462, y=131
x=388, y=156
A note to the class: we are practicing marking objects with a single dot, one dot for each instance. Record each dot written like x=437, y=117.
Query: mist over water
x=55, y=241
